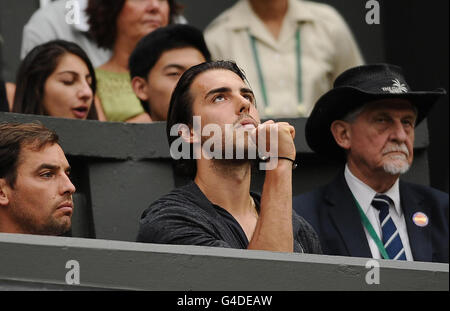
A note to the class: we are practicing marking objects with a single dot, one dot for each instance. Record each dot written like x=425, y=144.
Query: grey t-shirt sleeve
x=169, y=222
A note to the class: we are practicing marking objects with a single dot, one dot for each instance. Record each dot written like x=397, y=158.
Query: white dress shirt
x=364, y=195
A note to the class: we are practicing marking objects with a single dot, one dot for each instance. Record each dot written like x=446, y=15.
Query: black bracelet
x=294, y=165
x=267, y=159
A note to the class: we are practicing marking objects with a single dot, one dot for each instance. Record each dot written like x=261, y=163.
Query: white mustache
x=396, y=148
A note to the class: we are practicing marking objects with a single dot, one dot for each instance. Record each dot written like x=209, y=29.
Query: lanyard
x=371, y=231
x=260, y=73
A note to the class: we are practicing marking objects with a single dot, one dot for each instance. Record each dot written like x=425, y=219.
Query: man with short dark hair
x=217, y=208
x=369, y=118
x=35, y=188
x=159, y=60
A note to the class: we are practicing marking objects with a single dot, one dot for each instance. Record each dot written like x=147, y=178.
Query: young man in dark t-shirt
x=211, y=109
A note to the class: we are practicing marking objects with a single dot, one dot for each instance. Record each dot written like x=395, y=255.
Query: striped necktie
x=390, y=235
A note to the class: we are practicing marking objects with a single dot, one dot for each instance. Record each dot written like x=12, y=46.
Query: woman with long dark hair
x=56, y=79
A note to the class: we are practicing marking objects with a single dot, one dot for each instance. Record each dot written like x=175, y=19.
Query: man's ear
x=4, y=200
x=140, y=88
x=342, y=134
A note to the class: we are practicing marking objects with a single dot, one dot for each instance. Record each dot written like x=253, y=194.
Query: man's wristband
x=294, y=164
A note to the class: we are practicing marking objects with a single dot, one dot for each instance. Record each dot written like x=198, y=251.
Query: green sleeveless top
x=117, y=97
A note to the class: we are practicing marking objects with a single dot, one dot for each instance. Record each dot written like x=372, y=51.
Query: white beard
x=396, y=165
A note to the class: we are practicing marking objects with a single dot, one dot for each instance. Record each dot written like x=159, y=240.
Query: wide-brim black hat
x=354, y=88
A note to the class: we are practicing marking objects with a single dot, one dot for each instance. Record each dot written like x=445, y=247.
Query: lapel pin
x=420, y=219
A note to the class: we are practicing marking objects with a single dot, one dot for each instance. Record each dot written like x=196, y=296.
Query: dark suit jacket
x=334, y=216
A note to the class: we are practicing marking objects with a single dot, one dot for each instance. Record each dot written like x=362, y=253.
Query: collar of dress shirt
x=364, y=194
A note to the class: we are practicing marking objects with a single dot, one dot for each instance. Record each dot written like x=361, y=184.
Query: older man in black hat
x=368, y=118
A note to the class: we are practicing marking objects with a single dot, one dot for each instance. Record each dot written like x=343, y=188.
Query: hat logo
x=396, y=87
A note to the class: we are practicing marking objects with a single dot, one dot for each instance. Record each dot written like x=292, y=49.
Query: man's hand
x=283, y=132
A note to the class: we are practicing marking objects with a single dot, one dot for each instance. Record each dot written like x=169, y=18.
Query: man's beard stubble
x=29, y=224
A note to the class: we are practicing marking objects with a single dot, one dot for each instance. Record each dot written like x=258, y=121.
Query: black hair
x=37, y=66
x=180, y=109
x=152, y=46
x=14, y=137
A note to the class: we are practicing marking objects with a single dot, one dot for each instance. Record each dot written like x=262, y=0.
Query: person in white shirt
x=290, y=50
x=62, y=20
x=369, y=119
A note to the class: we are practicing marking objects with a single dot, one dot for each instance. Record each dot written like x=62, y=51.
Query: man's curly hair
x=102, y=17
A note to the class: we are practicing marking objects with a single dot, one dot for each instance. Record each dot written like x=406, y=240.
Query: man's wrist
x=282, y=167
x=289, y=159
x=281, y=159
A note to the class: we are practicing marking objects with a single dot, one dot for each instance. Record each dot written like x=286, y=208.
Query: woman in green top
x=127, y=21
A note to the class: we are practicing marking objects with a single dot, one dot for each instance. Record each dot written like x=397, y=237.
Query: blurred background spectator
x=159, y=60
x=119, y=26
x=291, y=51
x=56, y=79
x=65, y=20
